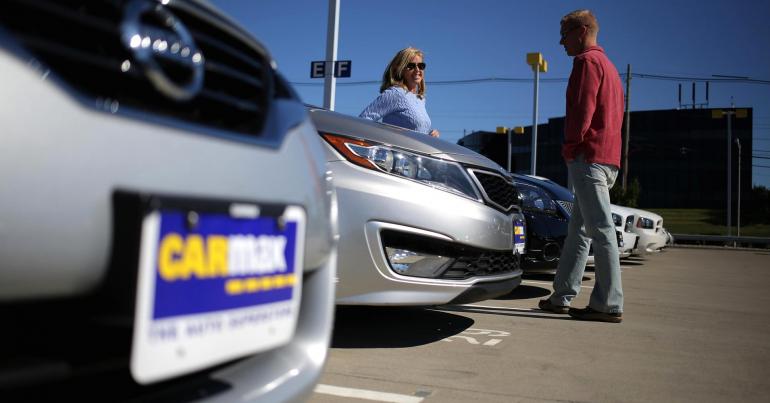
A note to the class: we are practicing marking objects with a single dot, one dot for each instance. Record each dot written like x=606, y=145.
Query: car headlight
x=437, y=173
x=645, y=223
x=534, y=198
x=617, y=220
x=629, y=223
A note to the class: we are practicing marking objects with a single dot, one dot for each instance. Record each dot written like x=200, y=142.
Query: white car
x=649, y=226
x=168, y=222
x=624, y=219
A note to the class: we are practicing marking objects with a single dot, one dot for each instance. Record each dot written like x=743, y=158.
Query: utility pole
x=332, y=36
x=626, y=129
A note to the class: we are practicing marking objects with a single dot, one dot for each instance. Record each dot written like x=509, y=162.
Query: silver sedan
x=421, y=221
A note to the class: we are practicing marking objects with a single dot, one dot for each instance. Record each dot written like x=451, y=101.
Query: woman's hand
x=434, y=133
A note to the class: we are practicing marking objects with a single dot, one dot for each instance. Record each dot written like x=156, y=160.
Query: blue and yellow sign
x=519, y=235
x=222, y=263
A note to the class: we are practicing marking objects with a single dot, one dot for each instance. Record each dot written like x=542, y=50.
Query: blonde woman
x=402, y=94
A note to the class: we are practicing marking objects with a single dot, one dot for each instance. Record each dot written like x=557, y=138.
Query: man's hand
x=434, y=133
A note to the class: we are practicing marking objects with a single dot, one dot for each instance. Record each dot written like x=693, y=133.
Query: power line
x=716, y=78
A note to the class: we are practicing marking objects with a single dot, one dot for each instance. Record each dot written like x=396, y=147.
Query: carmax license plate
x=519, y=236
x=214, y=284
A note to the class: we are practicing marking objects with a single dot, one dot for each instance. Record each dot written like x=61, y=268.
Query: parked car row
x=548, y=207
x=177, y=224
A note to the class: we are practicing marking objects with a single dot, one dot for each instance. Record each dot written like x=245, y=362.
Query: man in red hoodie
x=592, y=152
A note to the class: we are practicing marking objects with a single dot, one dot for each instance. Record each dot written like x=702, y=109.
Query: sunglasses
x=411, y=66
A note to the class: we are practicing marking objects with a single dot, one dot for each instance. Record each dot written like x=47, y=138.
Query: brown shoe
x=589, y=313
x=546, y=305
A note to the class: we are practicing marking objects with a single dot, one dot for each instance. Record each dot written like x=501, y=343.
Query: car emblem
x=164, y=48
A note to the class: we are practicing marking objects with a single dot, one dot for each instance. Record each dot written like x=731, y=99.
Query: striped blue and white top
x=399, y=107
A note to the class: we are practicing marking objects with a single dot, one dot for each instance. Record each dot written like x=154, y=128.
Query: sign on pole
x=342, y=68
x=317, y=69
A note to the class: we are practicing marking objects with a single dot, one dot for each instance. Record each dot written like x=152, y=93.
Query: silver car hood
x=336, y=123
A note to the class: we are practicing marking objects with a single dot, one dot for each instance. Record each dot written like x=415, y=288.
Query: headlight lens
x=440, y=174
x=534, y=198
x=629, y=223
x=645, y=223
x=617, y=220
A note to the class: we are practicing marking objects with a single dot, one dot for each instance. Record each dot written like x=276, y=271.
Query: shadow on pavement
x=525, y=292
x=393, y=327
x=547, y=277
x=504, y=311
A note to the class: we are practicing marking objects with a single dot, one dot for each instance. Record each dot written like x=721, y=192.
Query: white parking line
x=366, y=394
x=547, y=283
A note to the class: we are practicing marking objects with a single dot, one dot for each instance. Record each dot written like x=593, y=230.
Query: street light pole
x=738, y=143
x=538, y=64
x=740, y=114
x=332, y=37
x=533, y=164
x=729, y=173
x=509, y=149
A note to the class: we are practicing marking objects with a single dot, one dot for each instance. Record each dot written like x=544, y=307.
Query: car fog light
x=417, y=264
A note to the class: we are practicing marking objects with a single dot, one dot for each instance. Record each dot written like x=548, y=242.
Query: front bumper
x=372, y=204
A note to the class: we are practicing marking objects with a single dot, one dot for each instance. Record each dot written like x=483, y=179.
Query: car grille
x=497, y=191
x=485, y=264
x=567, y=206
x=80, y=43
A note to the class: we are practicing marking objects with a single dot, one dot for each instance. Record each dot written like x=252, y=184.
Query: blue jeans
x=591, y=220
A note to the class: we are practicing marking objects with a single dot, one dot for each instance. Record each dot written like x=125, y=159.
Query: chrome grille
x=496, y=190
x=567, y=206
x=80, y=42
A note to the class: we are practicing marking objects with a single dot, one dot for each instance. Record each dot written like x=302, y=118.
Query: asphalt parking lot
x=696, y=327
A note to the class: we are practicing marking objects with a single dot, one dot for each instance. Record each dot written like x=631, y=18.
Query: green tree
x=627, y=198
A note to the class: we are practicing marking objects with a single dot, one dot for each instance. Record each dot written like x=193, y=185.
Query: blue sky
x=482, y=39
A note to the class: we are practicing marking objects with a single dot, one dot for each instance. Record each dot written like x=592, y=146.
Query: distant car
x=624, y=220
x=547, y=207
x=649, y=226
x=167, y=227
x=669, y=238
x=422, y=221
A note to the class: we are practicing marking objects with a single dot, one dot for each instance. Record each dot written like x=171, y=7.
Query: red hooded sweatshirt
x=594, y=109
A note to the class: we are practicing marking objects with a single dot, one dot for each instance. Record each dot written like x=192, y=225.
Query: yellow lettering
x=169, y=257
x=194, y=258
x=217, y=256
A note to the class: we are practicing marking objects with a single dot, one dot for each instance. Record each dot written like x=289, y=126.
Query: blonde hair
x=393, y=73
x=581, y=18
